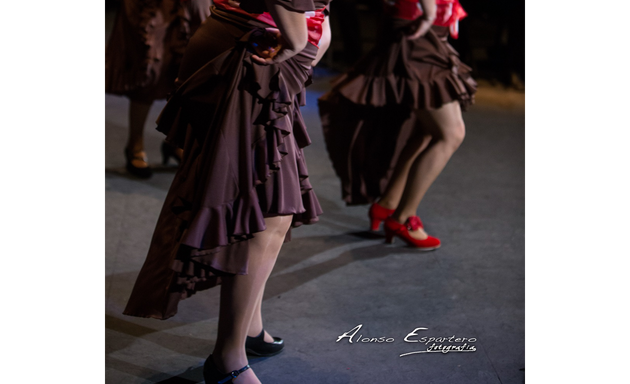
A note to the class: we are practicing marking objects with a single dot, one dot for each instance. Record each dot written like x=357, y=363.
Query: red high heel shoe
x=377, y=214
x=394, y=228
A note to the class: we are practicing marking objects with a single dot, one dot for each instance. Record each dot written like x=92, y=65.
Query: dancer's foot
x=216, y=370
x=169, y=151
x=268, y=338
x=261, y=346
x=377, y=213
x=394, y=228
x=137, y=163
x=419, y=234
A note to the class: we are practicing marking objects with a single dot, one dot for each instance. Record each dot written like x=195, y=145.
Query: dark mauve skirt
x=242, y=133
x=147, y=43
x=367, y=116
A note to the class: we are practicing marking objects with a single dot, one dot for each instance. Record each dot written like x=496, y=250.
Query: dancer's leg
x=256, y=326
x=447, y=130
x=415, y=145
x=138, y=112
x=240, y=295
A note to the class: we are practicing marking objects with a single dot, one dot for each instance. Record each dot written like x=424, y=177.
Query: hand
x=423, y=27
x=267, y=44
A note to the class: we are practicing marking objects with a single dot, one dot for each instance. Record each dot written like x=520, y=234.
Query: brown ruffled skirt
x=147, y=44
x=242, y=132
x=367, y=116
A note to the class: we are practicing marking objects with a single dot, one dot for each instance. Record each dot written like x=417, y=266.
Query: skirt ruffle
x=424, y=73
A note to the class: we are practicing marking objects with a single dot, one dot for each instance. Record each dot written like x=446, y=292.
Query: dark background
x=491, y=38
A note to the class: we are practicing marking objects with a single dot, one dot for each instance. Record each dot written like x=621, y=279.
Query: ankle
x=216, y=371
x=228, y=362
x=135, y=146
x=387, y=204
x=247, y=377
x=229, y=354
x=400, y=217
x=255, y=331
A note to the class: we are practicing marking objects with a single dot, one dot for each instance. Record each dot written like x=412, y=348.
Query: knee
x=455, y=136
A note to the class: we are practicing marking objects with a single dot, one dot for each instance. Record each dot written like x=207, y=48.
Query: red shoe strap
x=382, y=210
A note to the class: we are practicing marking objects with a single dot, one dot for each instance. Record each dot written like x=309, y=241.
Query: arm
x=293, y=32
x=428, y=15
x=324, y=42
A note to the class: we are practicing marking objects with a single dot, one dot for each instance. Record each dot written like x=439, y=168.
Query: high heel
x=141, y=172
x=394, y=228
x=257, y=346
x=169, y=151
x=377, y=214
x=212, y=375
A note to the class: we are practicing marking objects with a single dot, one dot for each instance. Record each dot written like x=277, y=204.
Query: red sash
x=314, y=19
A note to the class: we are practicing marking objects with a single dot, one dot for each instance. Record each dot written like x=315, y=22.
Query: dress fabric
x=147, y=43
x=367, y=116
x=242, y=135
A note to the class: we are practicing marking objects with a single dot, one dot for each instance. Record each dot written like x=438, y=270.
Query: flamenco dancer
x=243, y=181
x=394, y=120
x=141, y=62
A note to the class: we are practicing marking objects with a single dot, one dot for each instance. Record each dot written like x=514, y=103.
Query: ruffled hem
x=413, y=93
x=425, y=73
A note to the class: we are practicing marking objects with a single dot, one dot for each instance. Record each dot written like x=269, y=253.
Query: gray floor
x=334, y=275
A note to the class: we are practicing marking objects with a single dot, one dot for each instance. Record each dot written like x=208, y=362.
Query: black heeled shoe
x=169, y=151
x=257, y=346
x=212, y=375
x=141, y=172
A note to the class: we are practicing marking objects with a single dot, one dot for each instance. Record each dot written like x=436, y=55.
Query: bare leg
x=240, y=297
x=416, y=144
x=256, y=325
x=138, y=112
x=447, y=130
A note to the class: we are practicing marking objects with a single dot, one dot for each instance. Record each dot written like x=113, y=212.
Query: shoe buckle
x=234, y=374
